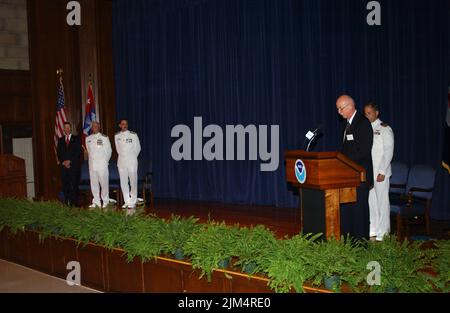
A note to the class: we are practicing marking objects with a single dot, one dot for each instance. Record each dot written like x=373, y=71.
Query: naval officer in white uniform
x=128, y=148
x=382, y=153
x=99, y=150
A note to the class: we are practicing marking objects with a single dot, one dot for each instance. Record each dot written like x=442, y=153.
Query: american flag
x=60, y=114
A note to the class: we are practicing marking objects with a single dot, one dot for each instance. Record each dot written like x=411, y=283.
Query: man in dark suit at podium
x=357, y=140
x=69, y=152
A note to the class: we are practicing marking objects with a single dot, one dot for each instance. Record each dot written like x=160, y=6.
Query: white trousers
x=128, y=170
x=99, y=179
x=379, y=205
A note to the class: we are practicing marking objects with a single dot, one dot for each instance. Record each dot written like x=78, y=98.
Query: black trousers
x=70, y=178
x=355, y=217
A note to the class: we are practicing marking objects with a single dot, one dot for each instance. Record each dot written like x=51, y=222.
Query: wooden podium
x=325, y=180
x=12, y=176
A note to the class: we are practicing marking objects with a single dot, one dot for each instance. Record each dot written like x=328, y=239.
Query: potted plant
x=442, y=265
x=289, y=264
x=211, y=247
x=143, y=237
x=16, y=214
x=252, y=245
x=48, y=218
x=80, y=227
x=108, y=228
x=335, y=261
x=401, y=265
x=176, y=233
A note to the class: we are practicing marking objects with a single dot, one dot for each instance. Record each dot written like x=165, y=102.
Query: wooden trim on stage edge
x=107, y=270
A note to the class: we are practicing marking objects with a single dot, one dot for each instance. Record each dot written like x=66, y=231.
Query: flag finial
x=59, y=72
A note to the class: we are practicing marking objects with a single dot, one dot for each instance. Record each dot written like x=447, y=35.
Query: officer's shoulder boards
x=384, y=124
x=132, y=132
x=104, y=135
x=118, y=133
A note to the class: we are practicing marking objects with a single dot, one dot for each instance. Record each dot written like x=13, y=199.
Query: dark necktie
x=67, y=141
x=347, y=129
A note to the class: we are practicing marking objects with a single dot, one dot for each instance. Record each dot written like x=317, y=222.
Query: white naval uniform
x=382, y=153
x=98, y=147
x=128, y=148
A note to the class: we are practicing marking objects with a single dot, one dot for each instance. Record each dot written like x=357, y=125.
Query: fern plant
x=401, y=265
x=50, y=216
x=335, y=259
x=290, y=263
x=16, y=214
x=143, y=237
x=210, y=246
x=252, y=246
x=109, y=228
x=442, y=265
x=177, y=232
x=80, y=227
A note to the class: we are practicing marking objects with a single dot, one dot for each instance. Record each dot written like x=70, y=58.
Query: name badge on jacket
x=350, y=137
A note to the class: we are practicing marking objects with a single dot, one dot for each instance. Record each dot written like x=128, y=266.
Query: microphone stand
x=310, y=141
x=315, y=133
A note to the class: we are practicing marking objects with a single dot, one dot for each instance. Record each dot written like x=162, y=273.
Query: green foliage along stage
x=289, y=263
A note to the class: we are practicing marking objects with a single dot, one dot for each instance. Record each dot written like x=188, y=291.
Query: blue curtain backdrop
x=278, y=62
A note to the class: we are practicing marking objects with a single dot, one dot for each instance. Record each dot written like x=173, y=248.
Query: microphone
x=311, y=135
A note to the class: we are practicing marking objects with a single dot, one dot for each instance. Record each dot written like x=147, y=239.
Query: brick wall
x=13, y=35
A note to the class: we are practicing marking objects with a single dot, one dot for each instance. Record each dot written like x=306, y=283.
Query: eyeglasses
x=342, y=107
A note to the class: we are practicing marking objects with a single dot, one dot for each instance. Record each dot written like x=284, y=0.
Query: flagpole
x=97, y=109
x=59, y=73
x=83, y=145
x=90, y=84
